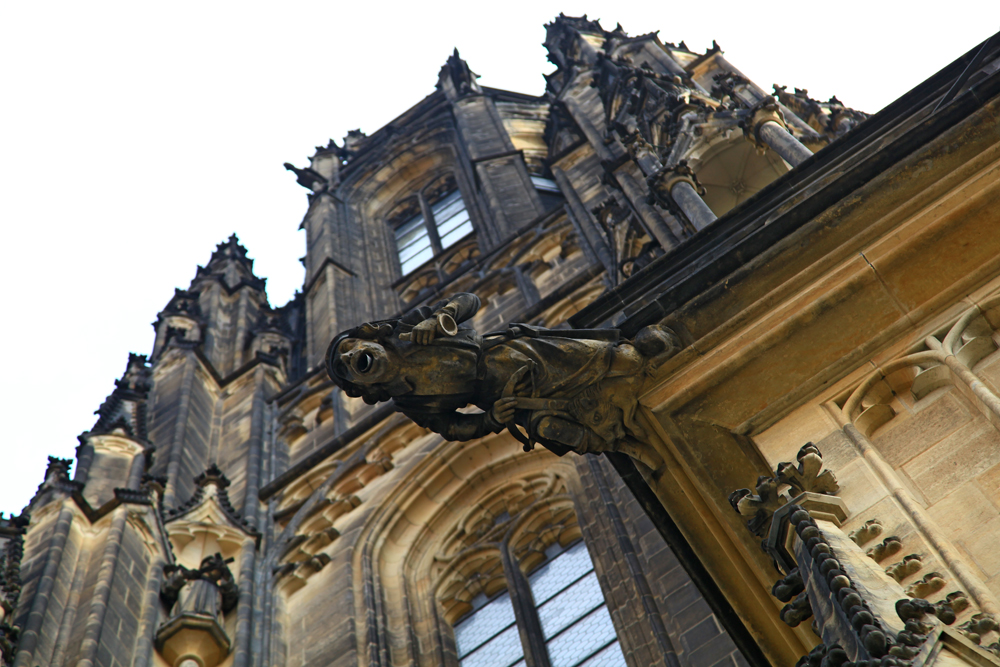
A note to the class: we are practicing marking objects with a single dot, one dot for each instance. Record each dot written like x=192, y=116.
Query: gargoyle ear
x=384, y=330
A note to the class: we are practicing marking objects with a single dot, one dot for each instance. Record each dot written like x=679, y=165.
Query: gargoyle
x=569, y=389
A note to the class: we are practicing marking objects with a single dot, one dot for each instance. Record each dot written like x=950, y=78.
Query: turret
x=116, y=451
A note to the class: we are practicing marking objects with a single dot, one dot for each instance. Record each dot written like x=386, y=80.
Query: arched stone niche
x=731, y=169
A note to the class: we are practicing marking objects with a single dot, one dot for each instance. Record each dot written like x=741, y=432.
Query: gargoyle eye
x=365, y=361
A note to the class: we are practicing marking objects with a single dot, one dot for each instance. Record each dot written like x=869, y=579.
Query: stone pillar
x=694, y=207
x=766, y=127
x=680, y=186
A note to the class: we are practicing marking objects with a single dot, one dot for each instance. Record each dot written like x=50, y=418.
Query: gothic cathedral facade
x=820, y=484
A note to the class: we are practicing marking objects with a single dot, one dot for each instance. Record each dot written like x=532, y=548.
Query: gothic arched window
x=520, y=583
x=429, y=223
x=570, y=618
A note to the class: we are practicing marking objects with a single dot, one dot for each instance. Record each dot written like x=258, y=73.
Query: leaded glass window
x=574, y=617
x=488, y=636
x=545, y=184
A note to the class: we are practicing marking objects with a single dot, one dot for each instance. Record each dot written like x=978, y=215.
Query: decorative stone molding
x=830, y=120
x=525, y=516
x=941, y=362
x=808, y=478
x=858, y=608
x=312, y=505
x=890, y=546
x=862, y=536
x=207, y=523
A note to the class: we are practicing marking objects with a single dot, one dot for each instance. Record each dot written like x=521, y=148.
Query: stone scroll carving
x=568, y=389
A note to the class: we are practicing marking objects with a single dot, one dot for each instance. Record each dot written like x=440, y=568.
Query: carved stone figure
x=571, y=390
x=210, y=590
x=195, y=630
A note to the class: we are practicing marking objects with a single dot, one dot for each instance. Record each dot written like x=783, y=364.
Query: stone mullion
x=430, y=224
x=528, y=624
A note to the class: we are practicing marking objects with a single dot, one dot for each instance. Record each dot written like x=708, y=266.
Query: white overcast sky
x=136, y=136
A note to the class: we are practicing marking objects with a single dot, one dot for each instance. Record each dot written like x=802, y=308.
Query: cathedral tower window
x=429, y=223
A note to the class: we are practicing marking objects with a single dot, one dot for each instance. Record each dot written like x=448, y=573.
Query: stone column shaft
x=694, y=207
x=637, y=195
x=783, y=143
